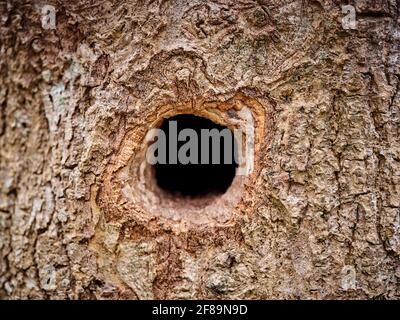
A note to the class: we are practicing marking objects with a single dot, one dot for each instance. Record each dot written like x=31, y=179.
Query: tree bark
x=319, y=217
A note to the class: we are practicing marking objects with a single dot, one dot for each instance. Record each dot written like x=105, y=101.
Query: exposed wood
x=319, y=217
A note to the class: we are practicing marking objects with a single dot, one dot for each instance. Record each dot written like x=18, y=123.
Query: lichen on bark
x=318, y=218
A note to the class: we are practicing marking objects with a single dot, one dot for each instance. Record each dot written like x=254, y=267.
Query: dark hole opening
x=205, y=177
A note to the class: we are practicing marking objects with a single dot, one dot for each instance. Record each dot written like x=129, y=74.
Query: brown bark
x=318, y=218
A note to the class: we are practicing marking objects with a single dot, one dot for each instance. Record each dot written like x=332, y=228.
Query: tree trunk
x=318, y=217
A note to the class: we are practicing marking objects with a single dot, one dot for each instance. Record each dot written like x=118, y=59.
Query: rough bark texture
x=318, y=218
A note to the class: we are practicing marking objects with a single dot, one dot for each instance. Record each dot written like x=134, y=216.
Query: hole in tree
x=206, y=177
